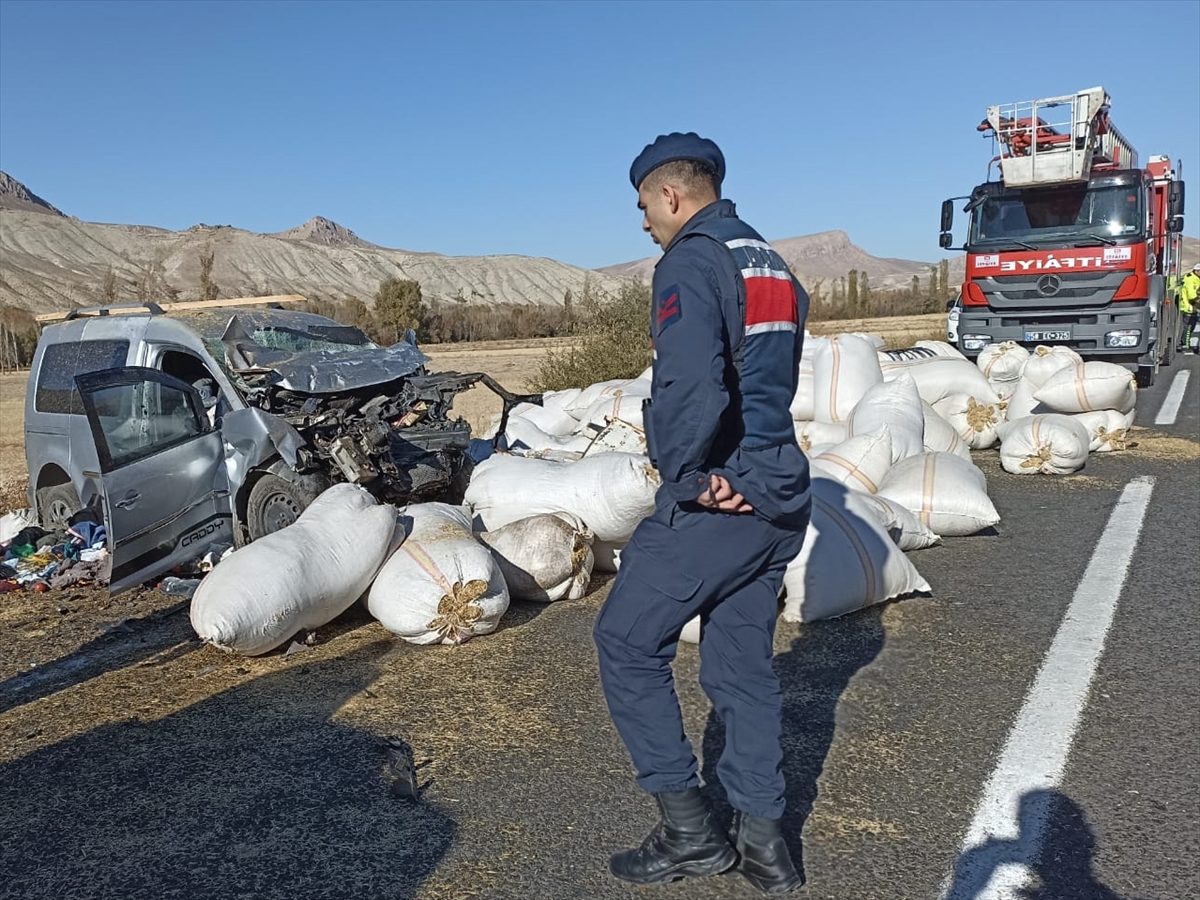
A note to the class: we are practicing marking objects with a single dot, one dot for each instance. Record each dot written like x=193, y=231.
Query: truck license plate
x=1048, y=335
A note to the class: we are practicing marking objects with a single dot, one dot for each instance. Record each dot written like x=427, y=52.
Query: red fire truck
x=1073, y=243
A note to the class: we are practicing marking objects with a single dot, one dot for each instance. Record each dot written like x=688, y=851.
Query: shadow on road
x=1054, y=842
x=254, y=792
x=126, y=643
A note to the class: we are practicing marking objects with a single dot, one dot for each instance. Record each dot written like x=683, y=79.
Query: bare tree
x=108, y=288
x=208, y=287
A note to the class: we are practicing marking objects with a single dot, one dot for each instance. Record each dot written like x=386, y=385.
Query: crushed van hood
x=319, y=371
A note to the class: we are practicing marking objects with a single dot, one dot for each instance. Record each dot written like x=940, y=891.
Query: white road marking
x=1170, y=405
x=1005, y=836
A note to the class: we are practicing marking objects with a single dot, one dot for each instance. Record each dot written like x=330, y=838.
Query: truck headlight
x=975, y=341
x=1129, y=337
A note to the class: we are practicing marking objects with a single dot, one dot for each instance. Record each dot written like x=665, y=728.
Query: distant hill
x=14, y=195
x=817, y=259
x=49, y=261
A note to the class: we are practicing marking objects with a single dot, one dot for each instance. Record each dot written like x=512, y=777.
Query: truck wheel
x=56, y=504
x=1145, y=376
x=274, y=503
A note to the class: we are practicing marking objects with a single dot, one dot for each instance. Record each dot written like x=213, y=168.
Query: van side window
x=192, y=369
x=62, y=362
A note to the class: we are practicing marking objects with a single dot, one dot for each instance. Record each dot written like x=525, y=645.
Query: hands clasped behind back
x=722, y=497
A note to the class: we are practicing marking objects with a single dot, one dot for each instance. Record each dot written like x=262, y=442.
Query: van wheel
x=274, y=503
x=56, y=504
x=1145, y=376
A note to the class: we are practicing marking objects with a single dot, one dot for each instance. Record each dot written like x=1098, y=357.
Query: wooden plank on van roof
x=181, y=306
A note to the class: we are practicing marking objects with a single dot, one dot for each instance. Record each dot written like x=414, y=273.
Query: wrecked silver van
x=193, y=429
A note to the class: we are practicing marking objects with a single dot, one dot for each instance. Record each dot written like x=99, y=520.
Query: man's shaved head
x=692, y=178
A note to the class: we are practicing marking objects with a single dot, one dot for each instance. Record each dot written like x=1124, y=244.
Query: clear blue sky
x=498, y=127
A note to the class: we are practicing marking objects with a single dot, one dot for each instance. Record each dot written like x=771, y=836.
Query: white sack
x=1002, y=364
x=1047, y=445
x=552, y=420
x=875, y=340
x=803, y=408
x=493, y=427
x=522, y=434
x=691, y=631
x=610, y=492
x=623, y=403
x=1044, y=361
x=810, y=435
x=859, y=463
x=895, y=405
x=947, y=494
x=299, y=577
x=844, y=368
x=1022, y=403
x=558, y=401
x=1107, y=429
x=848, y=560
x=903, y=527
x=442, y=585
x=974, y=421
x=544, y=557
x=594, y=392
x=941, y=436
x=941, y=348
x=1089, y=386
x=939, y=376
x=13, y=523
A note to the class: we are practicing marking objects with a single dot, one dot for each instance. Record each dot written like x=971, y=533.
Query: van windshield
x=311, y=339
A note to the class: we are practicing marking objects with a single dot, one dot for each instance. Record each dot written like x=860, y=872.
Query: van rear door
x=166, y=495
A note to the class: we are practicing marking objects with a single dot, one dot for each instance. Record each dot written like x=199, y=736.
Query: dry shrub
x=614, y=343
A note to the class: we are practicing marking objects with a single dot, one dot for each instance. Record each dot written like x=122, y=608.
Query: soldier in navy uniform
x=727, y=323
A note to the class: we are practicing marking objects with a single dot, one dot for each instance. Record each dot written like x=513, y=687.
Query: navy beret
x=670, y=147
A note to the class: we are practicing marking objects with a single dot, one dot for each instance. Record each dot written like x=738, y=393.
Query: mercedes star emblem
x=1048, y=285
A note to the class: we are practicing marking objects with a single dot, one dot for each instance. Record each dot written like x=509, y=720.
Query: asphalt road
x=896, y=718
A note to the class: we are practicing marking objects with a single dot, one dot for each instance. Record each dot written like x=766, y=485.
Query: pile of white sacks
x=888, y=438
x=427, y=576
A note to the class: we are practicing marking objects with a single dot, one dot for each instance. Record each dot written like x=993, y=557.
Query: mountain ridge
x=50, y=261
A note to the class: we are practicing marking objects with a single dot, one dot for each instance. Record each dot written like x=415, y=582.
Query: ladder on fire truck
x=1057, y=140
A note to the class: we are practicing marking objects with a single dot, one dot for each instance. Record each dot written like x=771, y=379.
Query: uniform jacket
x=1189, y=288
x=728, y=327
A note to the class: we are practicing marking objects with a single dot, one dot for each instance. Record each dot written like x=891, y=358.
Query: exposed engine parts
x=397, y=439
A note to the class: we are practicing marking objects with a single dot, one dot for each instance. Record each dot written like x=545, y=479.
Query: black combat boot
x=764, y=857
x=686, y=841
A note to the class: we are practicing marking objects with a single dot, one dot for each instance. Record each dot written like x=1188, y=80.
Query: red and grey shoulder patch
x=668, y=309
x=770, y=296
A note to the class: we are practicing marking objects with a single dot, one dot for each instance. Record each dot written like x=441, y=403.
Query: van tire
x=56, y=504
x=274, y=503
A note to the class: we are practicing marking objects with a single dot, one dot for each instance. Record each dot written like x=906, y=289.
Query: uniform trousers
x=727, y=568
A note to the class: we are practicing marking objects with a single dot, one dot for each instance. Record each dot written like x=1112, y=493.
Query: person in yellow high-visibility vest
x=1189, y=306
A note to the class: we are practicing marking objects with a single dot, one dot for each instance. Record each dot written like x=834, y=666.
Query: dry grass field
x=12, y=439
